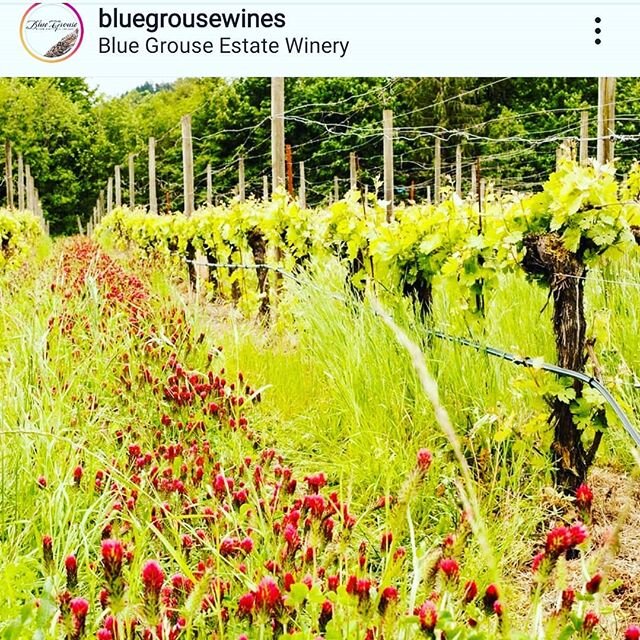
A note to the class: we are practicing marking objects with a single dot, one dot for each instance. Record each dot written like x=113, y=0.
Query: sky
x=117, y=85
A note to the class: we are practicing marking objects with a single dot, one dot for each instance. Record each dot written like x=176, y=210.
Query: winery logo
x=51, y=32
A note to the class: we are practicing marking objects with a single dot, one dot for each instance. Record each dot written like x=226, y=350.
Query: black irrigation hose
x=552, y=368
x=492, y=351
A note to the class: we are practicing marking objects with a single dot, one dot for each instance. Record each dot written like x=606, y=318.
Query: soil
x=616, y=498
x=616, y=501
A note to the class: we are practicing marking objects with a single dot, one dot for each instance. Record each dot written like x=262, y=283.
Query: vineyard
x=361, y=419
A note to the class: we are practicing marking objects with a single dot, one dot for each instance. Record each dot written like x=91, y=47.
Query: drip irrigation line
x=551, y=368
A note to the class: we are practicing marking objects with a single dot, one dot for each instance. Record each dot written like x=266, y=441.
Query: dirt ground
x=616, y=508
x=617, y=504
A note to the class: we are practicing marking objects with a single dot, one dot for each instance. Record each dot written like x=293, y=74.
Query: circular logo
x=51, y=32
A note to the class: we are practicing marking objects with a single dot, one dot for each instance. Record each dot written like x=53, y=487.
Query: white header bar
x=337, y=39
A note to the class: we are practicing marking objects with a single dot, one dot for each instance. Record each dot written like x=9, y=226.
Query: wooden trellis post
x=9, y=174
x=187, y=165
x=118, y=187
x=387, y=124
x=277, y=133
x=132, y=180
x=302, y=191
x=153, y=194
x=606, y=119
x=20, y=182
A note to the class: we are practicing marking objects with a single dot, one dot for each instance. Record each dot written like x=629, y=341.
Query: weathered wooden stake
x=29, y=189
x=353, y=171
x=606, y=119
x=277, y=133
x=387, y=124
x=110, y=195
x=209, y=186
x=437, y=169
x=153, y=194
x=302, y=191
x=241, y=184
x=118, y=187
x=289, y=161
x=459, y=170
x=336, y=189
x=132, y=180
x=265, y=187
x=187, y=164
x=584, y=137
x=474, y=180
x=8, y=173
x=20, y=182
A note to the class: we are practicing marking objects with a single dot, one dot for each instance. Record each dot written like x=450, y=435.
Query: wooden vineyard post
x=187, y=166
x=27, y=179
x=353, y=172
x=474, y=180
x=606, y=119
x=20, y=182
x=584, y=137
x=336, y=189
x=277, y=149
x=241, y=183
x=101, y=205
x=289, y=161
x=387, y=125
x=118, y=187
x=459, y=170
x=437, y=171
x=265, y=188
x=110, y=195
x=412, y=191
x=209, y=186
x=132, y=180
x=9, y=174
x=189, y=193
x=428, y=194
x=153, y=194
x=302, y=191
x=31, y=190
x=277, y=133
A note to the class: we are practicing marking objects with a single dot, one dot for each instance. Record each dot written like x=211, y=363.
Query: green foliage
x=19, y=233
x=581, y=204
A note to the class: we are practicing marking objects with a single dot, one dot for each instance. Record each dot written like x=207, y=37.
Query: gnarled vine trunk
x=421, y=290
x=258, y=246
x=213, y=271
x=354, y=267
x=564, y=273
x=190, y=255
